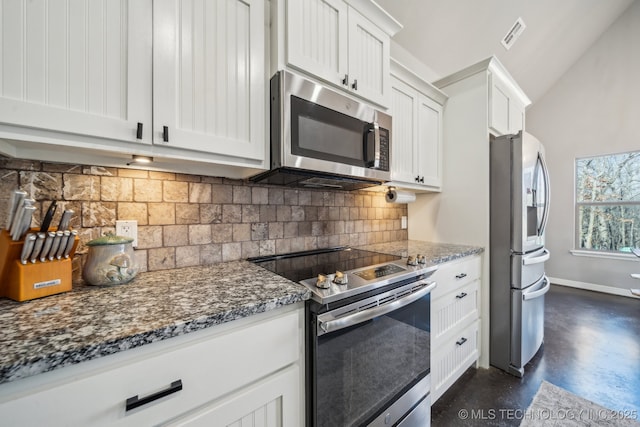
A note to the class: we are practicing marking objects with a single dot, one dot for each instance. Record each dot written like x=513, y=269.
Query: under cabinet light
x=140, y=159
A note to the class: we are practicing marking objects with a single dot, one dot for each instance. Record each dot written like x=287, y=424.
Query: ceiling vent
x=513, y=34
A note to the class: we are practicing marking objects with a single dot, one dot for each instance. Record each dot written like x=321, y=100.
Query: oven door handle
x=370, y=313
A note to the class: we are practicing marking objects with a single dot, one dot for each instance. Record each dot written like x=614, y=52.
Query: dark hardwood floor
x=591, y=348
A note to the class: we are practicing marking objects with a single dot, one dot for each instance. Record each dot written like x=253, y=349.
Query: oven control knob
x=323, y=282
x=340, y=278
x=411, y=260
x=421, y=259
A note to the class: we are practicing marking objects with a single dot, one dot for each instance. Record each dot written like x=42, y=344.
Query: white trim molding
x=609, y=255
x=592, y=287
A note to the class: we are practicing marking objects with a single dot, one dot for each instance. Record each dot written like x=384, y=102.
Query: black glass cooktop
x=299, y=266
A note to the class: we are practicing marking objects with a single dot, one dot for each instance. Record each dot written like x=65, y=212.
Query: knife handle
x=37, y=247
x=27, y=247
x=47, y=246
x=55, y=245
x=63, y=243
x=46, y=222
x=65, y=220
x=70, y=242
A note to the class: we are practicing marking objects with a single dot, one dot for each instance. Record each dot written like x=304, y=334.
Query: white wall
x=593, y=109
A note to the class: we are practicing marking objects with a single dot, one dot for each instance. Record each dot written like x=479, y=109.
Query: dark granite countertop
x=436, y=253
x=89, y=322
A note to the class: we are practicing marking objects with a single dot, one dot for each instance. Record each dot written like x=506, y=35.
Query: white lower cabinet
x=249, y=369
x=455, y=322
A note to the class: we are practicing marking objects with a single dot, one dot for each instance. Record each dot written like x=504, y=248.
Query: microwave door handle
x=372, y=163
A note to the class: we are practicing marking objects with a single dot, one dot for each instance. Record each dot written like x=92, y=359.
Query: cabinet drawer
x=452, y=358
x=209, y=367
x=453, y=310
x=453, y=275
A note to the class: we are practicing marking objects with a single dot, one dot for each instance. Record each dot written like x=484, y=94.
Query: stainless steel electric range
x=368, y=335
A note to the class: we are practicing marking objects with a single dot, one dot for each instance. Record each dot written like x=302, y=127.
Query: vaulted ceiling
x=448, y=35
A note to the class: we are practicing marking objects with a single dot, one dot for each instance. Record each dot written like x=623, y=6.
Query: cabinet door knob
x=345, y=81
x=461, y=275
x=422, y=179
x=355, y=84
x=461, y=341
x=417, y=178
x=139, y=131
x=135, y=401
x=165, y=133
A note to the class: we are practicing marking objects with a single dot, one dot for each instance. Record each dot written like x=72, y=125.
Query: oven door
x=370, y=360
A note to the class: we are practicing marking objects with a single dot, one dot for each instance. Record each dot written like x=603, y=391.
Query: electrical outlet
x=128, y=228
x=403, y=222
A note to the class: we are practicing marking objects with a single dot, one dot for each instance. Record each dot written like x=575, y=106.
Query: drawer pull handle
x=135, y=401
x=461, y=275
x=462, y=295
x=461, y=341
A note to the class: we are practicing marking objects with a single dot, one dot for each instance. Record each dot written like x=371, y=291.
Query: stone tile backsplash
x=186, y=220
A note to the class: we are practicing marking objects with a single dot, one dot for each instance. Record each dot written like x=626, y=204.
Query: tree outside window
x=608, y=202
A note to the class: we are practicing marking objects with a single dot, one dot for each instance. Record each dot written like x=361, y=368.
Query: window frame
x=600, y=253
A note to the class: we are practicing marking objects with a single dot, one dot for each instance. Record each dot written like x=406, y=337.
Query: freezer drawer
x=527, y=330
x=527, y=269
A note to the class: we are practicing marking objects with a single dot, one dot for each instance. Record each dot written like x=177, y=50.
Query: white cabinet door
x=273, y=402
x=209, y=81
x=77, y=67
x=368, y=59
x=516, y=117
x=404, y=102
x=499, y=106
x=334, y=42
x=417, y=138
x=317, y=38
x=429, y=142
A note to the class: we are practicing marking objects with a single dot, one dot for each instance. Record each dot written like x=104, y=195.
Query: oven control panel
x=381, y=271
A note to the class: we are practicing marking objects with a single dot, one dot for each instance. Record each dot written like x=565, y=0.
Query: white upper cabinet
x=317, y=37
x=334, y=41
x=417, y=109
x=506, y=101
x=182, y=81
x=209, y=76
x=506, y=105
x=77, y=67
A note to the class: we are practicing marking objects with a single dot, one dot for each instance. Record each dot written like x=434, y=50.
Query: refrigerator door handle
x=537, y=260
x=545, y=214
x=538, y=293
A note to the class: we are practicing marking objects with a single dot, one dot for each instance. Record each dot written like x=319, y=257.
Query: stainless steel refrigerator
x=519, y=214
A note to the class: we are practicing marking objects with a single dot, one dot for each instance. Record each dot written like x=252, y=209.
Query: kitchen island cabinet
x=231, y=334
x=182, y=82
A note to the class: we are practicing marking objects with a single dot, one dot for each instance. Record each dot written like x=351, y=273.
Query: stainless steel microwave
x=323, y=139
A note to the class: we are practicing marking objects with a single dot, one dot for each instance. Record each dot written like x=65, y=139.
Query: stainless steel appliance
x=368, y=336
x=321, y=138
x=519, y=214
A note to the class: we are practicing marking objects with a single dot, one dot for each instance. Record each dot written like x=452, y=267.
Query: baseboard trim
x=592, y=287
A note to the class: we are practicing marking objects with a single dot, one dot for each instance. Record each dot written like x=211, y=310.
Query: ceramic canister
x=111, y=261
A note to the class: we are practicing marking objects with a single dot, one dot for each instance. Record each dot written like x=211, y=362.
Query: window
x=608, y=202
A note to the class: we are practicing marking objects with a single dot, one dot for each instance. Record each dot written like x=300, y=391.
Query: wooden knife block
x=22, y=282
